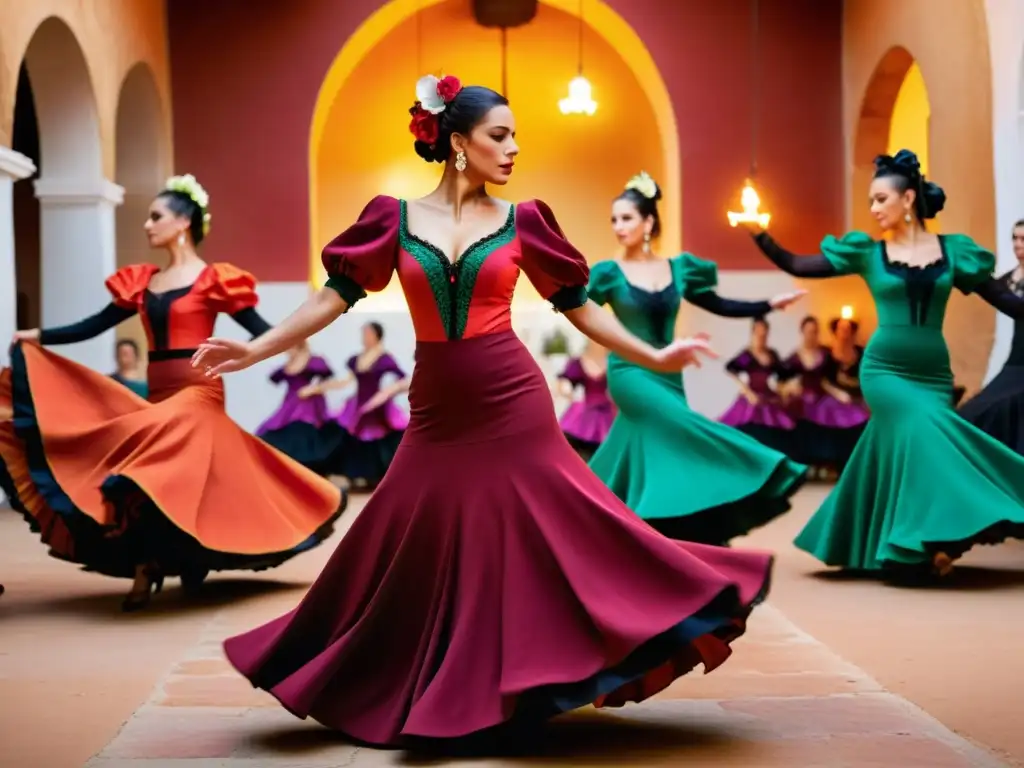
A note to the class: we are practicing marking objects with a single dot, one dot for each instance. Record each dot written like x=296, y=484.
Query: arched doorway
x=613, y=47
x=142, y=165
x=64, y=234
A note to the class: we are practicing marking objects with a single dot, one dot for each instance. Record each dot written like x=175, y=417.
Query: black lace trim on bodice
x=658, y=307
x=919, y=281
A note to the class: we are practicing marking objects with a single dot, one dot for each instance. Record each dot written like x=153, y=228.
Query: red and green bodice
x=466, y=298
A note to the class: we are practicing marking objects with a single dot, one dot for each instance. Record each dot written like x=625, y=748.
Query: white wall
x=1006, y=49
x=251, y=397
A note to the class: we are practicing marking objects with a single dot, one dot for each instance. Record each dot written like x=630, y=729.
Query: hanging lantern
x=750, y=202
x=579, y=101
x=846, y=313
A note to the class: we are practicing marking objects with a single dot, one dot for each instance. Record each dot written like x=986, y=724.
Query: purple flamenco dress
x=767, y=420
x=296, y=428
x=827, y=428
x=586, y=422
x=492, y=580
x=369, y=439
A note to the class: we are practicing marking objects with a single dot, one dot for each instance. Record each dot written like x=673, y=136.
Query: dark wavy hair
x=461, y=115
x=903, y=171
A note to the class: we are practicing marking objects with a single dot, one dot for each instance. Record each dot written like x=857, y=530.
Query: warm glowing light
x=846, y=313
x=579, y=101
x=750, y=202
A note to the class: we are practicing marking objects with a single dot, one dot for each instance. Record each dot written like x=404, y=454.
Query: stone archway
x=75, y=239
x=142, y=164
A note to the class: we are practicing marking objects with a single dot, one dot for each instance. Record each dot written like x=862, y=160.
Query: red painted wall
x=245, y=77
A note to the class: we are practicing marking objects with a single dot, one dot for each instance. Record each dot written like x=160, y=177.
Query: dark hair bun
x=905, y=165
x=644, y=192
x=933, y=199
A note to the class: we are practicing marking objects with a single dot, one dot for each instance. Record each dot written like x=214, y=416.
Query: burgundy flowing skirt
x=492, y=578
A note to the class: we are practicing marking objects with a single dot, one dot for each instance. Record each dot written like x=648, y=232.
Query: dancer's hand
x=683, y=352
x=783, y=300
x=753, y=226
x=308, y=391
x=219, y=356
x=31, y=336
x=374, y=402
x=752, y=398
x=843, y=397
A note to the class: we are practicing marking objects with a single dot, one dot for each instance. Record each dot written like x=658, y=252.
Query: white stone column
x=14, y=166
x=78, y=253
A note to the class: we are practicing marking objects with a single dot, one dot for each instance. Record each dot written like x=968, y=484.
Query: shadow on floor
x=588, y=734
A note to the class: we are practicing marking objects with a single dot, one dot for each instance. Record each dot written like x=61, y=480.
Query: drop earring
x=460, y=161
x=181, y=239
x=906, y=217
x=647, y=242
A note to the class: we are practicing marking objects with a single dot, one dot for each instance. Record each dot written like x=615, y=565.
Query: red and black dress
x=111, y=481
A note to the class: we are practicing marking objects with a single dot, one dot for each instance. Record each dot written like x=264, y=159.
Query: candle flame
x=750, y=201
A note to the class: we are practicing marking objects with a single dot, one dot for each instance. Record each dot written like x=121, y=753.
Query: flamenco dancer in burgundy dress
x=169, y=487
x=830, y=419
x=998, y=410
x=759, y=410
x=296, y=428
x=586, y=422
x=492, y=579
x=371, y=423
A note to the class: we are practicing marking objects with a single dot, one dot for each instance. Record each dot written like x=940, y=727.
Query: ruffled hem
x=719, y=525
x=703, y=638
x=139, y=531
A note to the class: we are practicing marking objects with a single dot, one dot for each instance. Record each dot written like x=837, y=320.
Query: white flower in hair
x=188, y=185
x=427, y=95
x=643, y=184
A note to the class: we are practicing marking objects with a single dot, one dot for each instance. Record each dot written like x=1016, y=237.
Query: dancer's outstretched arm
x=83, y=330
x=219, y=356
x=816, y=266
x=604, y=328
x=996, y=293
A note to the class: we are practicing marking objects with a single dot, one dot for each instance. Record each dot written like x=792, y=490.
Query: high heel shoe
x=136, y=601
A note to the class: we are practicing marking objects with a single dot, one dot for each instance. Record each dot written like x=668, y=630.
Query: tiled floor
x=83, y=684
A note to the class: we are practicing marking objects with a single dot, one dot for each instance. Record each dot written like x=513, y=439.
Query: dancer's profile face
x=126, y=356
x=889, y=206
x=759, y=332
x=628, y=225
x=491, y=147
x=162, y=225
x=1018, y=242
x=370, y=337
x=844, y=330
x=809, y=332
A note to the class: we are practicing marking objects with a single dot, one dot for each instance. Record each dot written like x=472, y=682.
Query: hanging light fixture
x=580, y=100
x=846, y=313
x=750, y=201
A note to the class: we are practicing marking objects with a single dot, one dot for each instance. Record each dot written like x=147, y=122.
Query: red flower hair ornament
x=432, y=97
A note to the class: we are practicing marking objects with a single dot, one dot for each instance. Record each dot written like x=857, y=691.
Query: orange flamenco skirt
x=111, y=481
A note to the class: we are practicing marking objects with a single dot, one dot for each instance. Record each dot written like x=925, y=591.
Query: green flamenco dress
x=921, y=480
x=691, y=478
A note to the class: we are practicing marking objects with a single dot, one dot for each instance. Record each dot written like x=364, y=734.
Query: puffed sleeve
x=739, y=364
x=603, y=277
x=573, y=372
x=698, y=275
x=229, y=289
x=390, y=365
x=848, y=254
x=363, y=257
x=127, y=285
x=319, y=367
x=557, y=270
x=972, y=264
